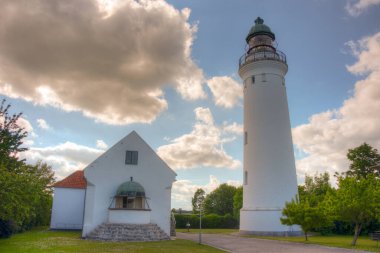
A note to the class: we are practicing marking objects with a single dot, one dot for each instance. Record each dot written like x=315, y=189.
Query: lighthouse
x=269, y=174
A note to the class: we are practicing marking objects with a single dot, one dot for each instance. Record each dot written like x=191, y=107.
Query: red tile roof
x=75, y=180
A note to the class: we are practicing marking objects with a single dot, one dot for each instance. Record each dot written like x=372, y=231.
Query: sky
x=85, y=73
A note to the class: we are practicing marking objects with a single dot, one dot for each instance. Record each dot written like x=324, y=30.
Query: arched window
x=130, y=195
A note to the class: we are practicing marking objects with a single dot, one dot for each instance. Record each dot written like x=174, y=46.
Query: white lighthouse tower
x=269, y=168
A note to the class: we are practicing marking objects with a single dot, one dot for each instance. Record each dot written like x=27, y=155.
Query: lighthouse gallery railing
x=262, y=55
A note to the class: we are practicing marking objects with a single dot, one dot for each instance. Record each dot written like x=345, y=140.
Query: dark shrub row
x=208, y=221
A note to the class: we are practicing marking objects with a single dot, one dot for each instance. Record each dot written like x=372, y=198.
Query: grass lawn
x=208, y=230
x=42, y=240
x=341, y=241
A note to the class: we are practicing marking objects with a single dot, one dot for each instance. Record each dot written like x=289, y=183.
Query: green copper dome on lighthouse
x=259, y=29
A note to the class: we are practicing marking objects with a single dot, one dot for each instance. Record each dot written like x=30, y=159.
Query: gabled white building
x=128, y=184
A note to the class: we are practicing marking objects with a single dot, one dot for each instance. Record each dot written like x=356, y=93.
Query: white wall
x=67, y=210
x=268, y=154
x=109, y=171
x=129, y=216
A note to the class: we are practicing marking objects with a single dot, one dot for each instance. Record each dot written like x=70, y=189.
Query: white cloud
x=367, y=50
x=64, y=158
x=43, y=124
x=183, y=190
x=234, y=128
x=226, y=91
x=357, y=7
x=107, y=59
x=101, y=144
x=190, y=87
x=328, y=135
x=202, y=147
x=24, y=123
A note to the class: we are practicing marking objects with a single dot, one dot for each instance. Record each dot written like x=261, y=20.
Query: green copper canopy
x=131, y=189
x=259, y=29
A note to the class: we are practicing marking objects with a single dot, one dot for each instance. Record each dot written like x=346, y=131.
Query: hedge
x=208, y=221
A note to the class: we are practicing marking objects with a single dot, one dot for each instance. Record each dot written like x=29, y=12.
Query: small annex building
x=127, y=195
x=68, y=202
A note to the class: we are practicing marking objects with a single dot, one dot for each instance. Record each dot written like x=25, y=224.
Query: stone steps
x=128, y=232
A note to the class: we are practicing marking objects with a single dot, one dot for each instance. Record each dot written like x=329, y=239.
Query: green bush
x=182, y=219
x=230, y=222
x=212, y=221
x=208, y=221
x=7, y=228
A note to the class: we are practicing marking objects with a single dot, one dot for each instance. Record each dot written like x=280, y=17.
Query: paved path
x=234, y=243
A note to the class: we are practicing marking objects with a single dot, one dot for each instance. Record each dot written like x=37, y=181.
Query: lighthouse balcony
x=261, y=56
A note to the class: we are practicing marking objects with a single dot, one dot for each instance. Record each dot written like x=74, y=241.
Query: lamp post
x=200, y=223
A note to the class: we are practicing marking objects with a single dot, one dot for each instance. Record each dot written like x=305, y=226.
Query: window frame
x=131, y=157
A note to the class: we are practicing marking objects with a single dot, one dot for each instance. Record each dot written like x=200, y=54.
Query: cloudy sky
x=85, y=73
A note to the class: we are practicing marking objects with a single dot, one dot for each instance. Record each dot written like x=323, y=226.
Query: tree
x=43, y=177
x=221, y=200
x=300, y=212
x=15, y=200
x=198, y=199
x=11, y=137
x=358, y=201
x=26, y=196
x=25, y=190
x=315, y=188
x=238, y=202
x=363, y=161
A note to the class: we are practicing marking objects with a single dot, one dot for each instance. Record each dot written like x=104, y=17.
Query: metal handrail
x=262, y=55
x=113, y=204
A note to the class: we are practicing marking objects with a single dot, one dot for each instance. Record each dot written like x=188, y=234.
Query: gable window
x=245, y=177
x=131, y=157
x=253, y=79
x=245, y=138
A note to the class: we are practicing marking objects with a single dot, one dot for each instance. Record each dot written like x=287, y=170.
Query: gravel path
x=233, y=243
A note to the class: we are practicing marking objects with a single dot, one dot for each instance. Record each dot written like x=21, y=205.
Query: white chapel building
x=125, y=194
